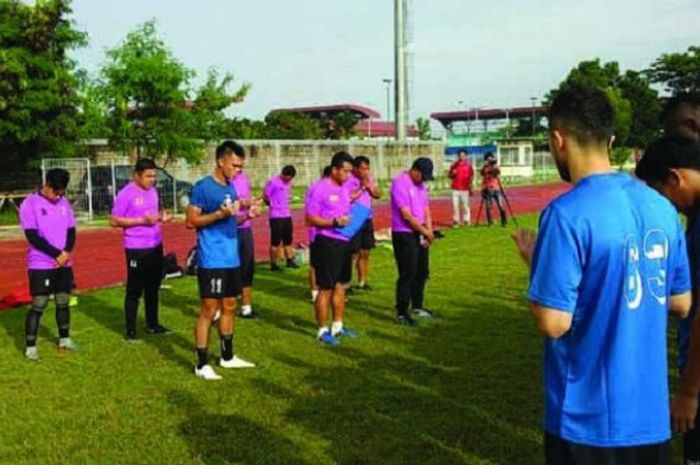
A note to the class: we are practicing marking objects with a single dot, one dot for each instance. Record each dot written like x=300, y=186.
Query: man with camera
x=491, y=188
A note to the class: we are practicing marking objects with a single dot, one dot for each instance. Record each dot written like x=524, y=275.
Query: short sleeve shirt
x=51, y=220
x=406, y=194
x=135, y=202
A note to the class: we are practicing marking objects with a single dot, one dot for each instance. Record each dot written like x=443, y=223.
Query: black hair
x=666, y=153
x=488, y=155
x=685, y=98
x=339, y=158
x=585, y=113
x=326, y=171
x=57, y=179
x=229, y=147
x=144, y=164
x=289, y=170
x=359, y=161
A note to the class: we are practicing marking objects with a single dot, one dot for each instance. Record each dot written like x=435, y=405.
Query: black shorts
x=246, y=251
x=281, y=231
x=691, y=443
x=364, y=239
x=558, y=451
x=47, y=282
x=219, y=283
x=331, y=260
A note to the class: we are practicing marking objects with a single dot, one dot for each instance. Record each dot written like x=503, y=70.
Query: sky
x=315, y=52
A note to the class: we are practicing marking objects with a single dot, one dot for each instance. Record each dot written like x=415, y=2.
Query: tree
x=340, y=125
x=645, y=108
x=93, y=113
x=210, y=102
x=679, y=72
x=291, y=125
x=152, y=105
x=423, y=126
x=38, y=99
x=245, y=128
x=606, y=76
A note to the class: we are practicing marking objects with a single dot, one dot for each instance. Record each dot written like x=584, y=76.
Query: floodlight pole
x=400, y=69
x=388, y=82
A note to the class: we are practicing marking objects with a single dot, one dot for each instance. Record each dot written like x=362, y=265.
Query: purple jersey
x=405, y=193
x=135, y=202
x=313, y=230
x=328, y=200
x=51, y=220
x=353, y=184
x=278, y=192
x=241, y=184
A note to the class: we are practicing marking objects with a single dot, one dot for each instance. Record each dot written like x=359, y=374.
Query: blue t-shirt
x=217, y=244
x=692, y=237
x=611, y=251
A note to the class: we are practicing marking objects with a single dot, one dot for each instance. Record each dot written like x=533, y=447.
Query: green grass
x=461, y=389
x=8, y=216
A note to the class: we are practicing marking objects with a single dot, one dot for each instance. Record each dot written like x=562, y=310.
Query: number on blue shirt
x=655, y=258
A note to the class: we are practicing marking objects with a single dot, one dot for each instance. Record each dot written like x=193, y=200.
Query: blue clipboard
x=358, y=215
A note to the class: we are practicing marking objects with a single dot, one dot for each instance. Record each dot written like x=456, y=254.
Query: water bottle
x=227, y=200
x=300, y=256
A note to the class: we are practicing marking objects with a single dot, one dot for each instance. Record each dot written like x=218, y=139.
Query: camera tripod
x=509, y=209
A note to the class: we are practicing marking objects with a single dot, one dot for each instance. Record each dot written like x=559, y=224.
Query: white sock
x=361, y=284
x=337, y=327
x=246, y=310
x=217, y=315
x=314, y=294
x=321, y=331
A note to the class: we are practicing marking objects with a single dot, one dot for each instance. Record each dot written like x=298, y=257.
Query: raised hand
x=525, y=240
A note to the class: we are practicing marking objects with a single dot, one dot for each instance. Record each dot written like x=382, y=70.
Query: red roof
x=315, y=111
x=376, y=128
x=449, y=117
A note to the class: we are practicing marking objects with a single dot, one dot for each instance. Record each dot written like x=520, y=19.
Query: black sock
x=201, y=358
x=227, y=347
x=31, y=327
x=63, y=321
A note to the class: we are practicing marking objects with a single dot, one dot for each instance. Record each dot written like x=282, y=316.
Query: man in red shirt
x=462, y=175
x=491, y=188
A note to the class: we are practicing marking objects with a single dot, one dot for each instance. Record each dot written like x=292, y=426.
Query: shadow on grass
x=424, y=404
x=112, y=318
x=218, y=439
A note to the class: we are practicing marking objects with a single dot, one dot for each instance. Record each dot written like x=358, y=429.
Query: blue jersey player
x=212, y=212
x=608, y=264
x=672, y=166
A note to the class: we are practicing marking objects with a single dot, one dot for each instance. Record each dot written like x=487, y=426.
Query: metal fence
x=96, y=181
x=544, y=167
x=93, y=188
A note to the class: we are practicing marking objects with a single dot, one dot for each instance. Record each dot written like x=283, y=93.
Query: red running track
x=99, y=257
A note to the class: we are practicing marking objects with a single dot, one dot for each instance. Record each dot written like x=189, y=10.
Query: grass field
x=462, y=389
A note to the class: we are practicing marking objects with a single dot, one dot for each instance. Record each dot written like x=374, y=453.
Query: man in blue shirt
x=212, y=211
x=607, y=265
x=672, y=166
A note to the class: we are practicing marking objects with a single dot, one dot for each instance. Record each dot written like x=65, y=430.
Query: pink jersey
x=278, y=193
x=405, y=193
x=51, y=220
x=135, y=202
x=328, y=200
